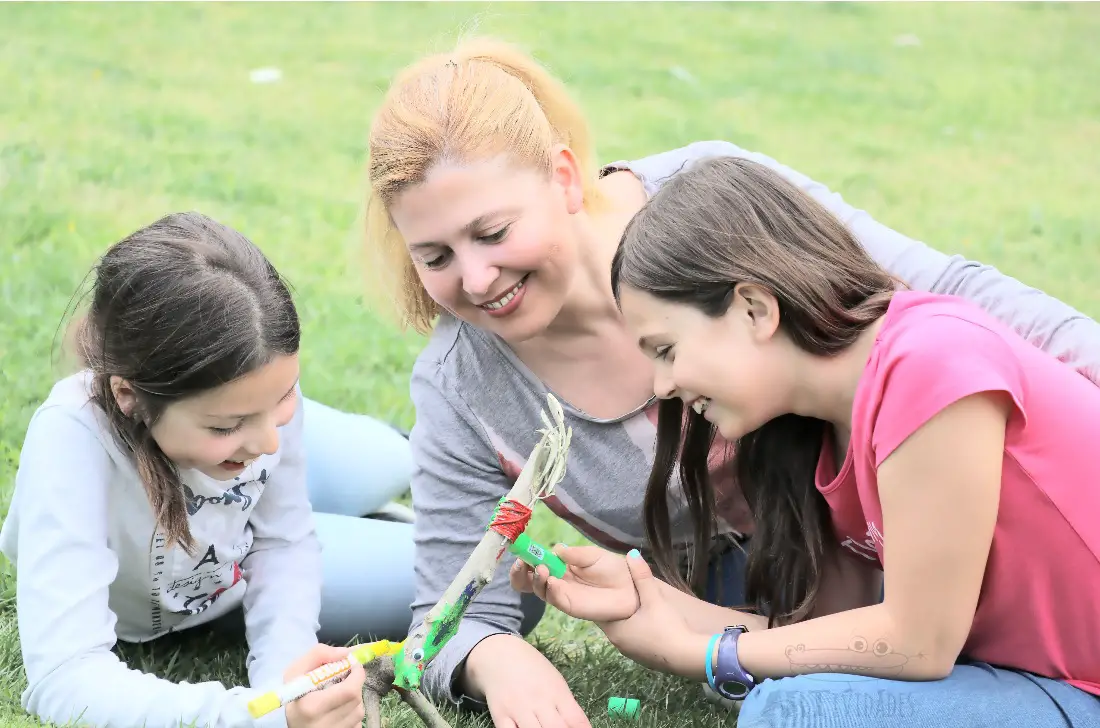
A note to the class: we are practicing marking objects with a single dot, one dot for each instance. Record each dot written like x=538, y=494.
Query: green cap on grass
x=623, y=708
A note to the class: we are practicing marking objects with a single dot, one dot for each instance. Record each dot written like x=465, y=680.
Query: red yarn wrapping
x=510, y=519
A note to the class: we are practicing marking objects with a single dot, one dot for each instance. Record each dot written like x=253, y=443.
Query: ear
x=565, y=173
x=125, y=397
x=758, y=308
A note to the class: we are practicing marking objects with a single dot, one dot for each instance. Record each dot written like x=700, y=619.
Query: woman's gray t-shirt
x=477, y=416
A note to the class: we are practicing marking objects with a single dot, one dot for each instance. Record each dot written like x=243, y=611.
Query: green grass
x=981, y=140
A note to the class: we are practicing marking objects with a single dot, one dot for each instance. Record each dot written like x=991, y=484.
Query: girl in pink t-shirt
x=925, y=483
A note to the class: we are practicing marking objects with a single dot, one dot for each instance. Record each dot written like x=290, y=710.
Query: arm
x=705, y=617
x=455, y=488
x=845, y=584
x=1042, y=320
x=283, y=568
x=945, y=478
x=65, y=566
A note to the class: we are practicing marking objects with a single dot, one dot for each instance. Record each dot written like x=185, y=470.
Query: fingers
x=647, y=586
x=521, y=576
x=349, y=716
x=573, y=716
x=318, y=655
x=338, y=698
x=583, y=557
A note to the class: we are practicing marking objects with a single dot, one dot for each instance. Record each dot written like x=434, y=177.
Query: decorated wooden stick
x=540, y=475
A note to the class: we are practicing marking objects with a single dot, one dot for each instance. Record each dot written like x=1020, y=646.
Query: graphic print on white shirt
x=184, y=585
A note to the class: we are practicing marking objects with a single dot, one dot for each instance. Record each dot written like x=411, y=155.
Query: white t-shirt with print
x=92, y=569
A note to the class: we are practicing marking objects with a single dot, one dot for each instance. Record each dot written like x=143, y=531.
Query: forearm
x=704, y=617
x=95, y=689
x=866, y=641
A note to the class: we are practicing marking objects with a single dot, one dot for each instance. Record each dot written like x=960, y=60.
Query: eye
x=437, y=262
x=662, y=352
x=882, y=647
x=223, y=431
x=496, y=237
x=417, y=655
x=858, y=644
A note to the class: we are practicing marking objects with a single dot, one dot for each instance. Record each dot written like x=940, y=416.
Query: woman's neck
x=589, y=309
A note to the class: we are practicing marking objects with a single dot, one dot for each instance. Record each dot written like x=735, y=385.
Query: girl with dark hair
x=903, y=444
x=164, y=487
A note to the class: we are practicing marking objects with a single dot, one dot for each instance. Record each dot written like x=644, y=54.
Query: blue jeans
x=974, y=695
x=356, y=465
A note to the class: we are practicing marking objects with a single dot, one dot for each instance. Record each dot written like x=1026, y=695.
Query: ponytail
x=158, y=473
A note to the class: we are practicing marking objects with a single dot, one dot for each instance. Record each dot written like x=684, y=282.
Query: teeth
x=700, y=405
x=501, y=303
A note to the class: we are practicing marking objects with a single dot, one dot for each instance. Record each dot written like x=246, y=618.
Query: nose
x=478, y=274
x=663, y=386
x=265, y=441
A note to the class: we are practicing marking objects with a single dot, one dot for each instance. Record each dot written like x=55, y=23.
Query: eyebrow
x=481, y=221
x=241, y=417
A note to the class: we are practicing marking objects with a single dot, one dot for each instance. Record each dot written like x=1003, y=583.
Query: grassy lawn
x=973, y=127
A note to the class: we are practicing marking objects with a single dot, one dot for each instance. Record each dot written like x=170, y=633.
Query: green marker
x=623, y=708
x=534, y=555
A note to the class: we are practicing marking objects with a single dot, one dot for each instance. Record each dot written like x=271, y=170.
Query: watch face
x=732, y=690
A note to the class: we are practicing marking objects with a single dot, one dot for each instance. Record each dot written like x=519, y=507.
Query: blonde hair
x=483, y=99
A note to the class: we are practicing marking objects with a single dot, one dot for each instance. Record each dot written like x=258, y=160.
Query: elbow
x=930, y=650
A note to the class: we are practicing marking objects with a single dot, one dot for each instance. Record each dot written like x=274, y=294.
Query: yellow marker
x=321, y=677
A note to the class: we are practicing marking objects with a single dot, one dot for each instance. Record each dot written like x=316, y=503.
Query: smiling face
x=493, y=243
x=220, y=431
x=730, y=368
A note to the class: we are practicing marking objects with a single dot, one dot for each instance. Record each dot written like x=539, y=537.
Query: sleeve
x=65, y=567
x=455, y=487
x=1042, y=320
x=935, y=363
x=282, y=603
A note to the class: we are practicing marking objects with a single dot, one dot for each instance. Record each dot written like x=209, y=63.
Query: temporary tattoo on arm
x=876, y=657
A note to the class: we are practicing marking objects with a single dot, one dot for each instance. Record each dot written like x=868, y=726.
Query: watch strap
x=730, y=679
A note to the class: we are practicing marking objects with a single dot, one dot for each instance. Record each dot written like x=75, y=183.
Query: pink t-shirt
x=1039, y=608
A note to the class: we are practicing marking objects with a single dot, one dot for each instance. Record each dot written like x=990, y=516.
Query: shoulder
x=931, y=352
x=654, y=170
x=460, y=357
x=933, y=325
x=66, y=463
x=70, y=401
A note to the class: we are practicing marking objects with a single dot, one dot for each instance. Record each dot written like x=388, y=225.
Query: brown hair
x=178, y=307
x=722, y=222
x=484, y=99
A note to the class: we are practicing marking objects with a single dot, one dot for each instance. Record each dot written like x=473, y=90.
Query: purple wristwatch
x=730, y=679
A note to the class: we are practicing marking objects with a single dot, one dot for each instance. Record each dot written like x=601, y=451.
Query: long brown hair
x=722, y=222
x=483, y=99
x=178, y=307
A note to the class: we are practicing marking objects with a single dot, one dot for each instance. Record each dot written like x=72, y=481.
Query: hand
x=656, y=634
x=337, y=706
x=521, y=687
x=597, y=586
